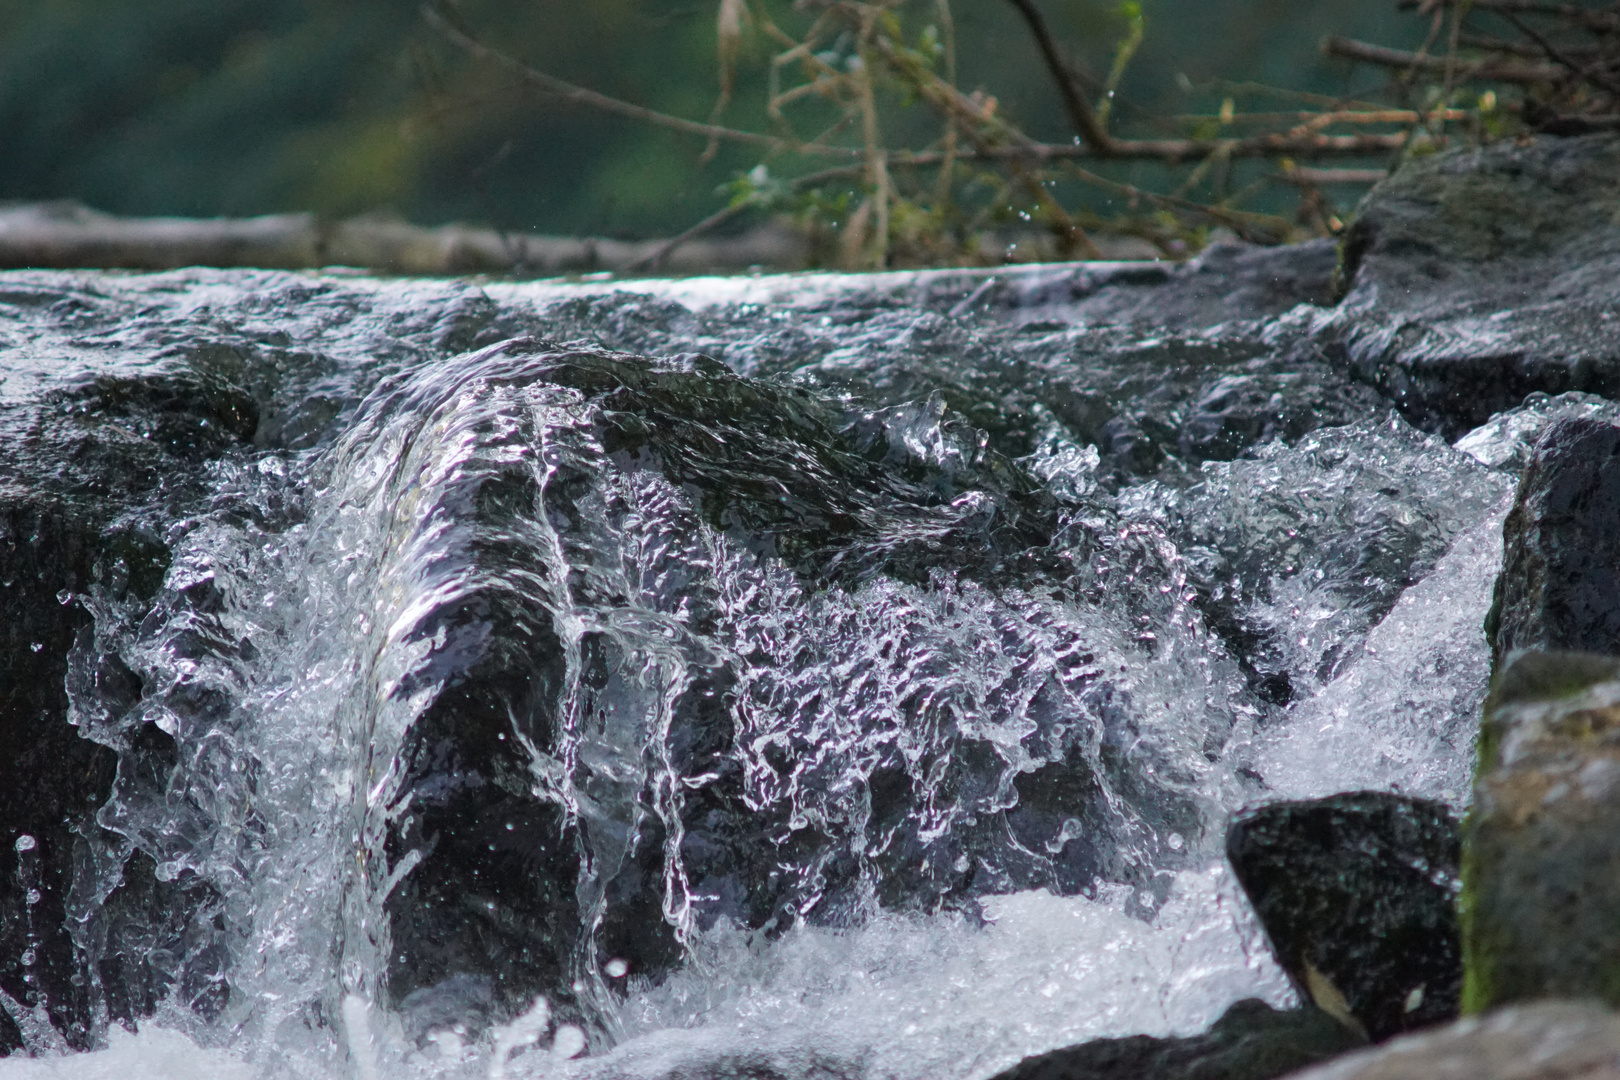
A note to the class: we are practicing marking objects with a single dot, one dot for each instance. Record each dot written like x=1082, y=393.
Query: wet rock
x=1547, y=1040
x=1231, y=285
x=1358, y=895
x=1478, y=276
x=1543, y=840
x=682, y=452
x=621, y=582
x=89, y=461
x=1560, y=581
x=1251, y=1041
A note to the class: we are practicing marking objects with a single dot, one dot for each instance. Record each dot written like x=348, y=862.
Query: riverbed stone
x=1560, y=581
x=1480, y=275
x=1357, y=894
x=1251, y=1041
x=1543, y=1040
x=1543, y=840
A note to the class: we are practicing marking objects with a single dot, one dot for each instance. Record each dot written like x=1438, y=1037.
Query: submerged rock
x=1478, y=276
x=1547, y=1040
x=1540, y=902
x=1251, y=1041
x=1560, y=581
x=1358, y=895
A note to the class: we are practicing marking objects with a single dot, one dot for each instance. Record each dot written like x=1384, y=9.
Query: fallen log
x=70, y=236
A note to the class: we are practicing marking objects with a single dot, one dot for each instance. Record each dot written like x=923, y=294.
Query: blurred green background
x=344, y=107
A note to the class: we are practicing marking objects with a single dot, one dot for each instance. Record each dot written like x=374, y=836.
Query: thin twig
x=1485, y=43
x=656, y=257
x=1316, y=177
x=1489, y=68
x=959, y=109
x=1227, y=86
x=579, y=95
x=1238, y=220
x=1591, y=75
x=1329, y=118
x=1174, y=150
x=1171, y=150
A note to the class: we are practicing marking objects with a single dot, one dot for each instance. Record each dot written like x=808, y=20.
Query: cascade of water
x=739, y=716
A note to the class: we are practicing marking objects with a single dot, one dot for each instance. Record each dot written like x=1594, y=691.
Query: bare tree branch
x=1490, y=68
x=1593, y=74
x=1080, y=112
x=1175, y=150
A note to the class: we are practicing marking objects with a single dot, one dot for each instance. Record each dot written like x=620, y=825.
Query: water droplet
x=26, y=843
x=32, y=898
x=568, y=1042
x=616, y=968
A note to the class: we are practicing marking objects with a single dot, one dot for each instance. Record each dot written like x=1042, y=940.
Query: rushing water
x=856, y=688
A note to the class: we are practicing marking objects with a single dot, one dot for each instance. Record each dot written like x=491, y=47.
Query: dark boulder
x=1251, y=1041
x=1478, y=276
x=1560, y=581
x=1358, y=895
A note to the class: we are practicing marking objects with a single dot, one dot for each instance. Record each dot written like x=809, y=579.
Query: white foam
x=913, y=996
x=154, y=1054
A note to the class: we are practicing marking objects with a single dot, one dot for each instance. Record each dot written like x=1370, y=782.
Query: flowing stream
x=738, y=675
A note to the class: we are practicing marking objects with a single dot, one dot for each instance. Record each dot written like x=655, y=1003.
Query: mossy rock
x=1541, y=858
